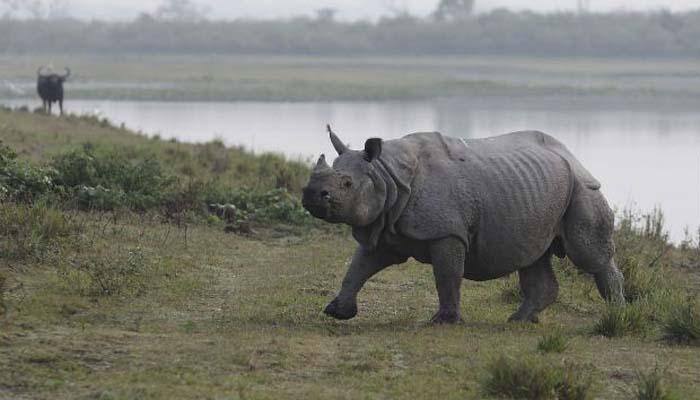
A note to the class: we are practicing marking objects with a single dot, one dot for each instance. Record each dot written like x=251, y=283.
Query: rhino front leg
x=362, y=267
x=447, y=256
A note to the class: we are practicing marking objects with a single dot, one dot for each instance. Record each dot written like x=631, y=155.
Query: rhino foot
x=338, y=311
x=519, y=316
x=446, y=317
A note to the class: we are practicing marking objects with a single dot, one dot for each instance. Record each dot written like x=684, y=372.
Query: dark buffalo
x=50, y=88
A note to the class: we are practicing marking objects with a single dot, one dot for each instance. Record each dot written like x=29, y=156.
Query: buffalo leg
x=362, y=267
x=447, y=256
x=539, y=288
x=60, y=106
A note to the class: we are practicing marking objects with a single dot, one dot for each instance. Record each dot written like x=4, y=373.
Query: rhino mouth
x=320, y=211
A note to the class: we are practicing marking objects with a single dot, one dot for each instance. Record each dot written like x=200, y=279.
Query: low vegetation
x=651, y=386
x=535, y=378
x=682, y=325
x=554, y=342
x=110, y=259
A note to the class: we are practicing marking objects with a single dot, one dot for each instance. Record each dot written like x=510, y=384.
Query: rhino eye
x=347, y=184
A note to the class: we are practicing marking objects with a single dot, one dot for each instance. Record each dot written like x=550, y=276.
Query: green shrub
x=276, y=205
x=106, y=179
x=620, y=320
x=99, y=274
x=650, y=386
x=554, y=342
x=641, y=281
x=535, y=378
x=683, y=324
x=20, y=181
x=31, y=230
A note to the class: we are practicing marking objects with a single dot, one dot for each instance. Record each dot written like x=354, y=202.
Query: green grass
x=119, y=304
x=682, y=324
x=315, y=78
x=554, y=342
x=40, y=138
x=537, y=379
x=651, y=386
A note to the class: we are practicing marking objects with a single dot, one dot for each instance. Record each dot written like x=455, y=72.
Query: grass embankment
x=126, y=303
x=315, y=78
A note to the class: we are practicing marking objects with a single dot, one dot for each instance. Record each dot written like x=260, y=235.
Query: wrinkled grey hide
x=477, y=209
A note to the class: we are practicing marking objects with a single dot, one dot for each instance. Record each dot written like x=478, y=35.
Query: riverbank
x=315, y=78
x=123, y=303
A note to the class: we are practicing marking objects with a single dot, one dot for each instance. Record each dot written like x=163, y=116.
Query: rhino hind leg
x=539, y=288
x=588, y=239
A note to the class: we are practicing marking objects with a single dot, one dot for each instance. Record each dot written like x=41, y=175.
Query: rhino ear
x=338, y=144
x=373, y=149
x=321, y=163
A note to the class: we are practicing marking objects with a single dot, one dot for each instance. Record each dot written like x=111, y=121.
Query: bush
x=32, y=230
x=554, y=342
x=20, y=181
x=98, y=274
x=620, y=320
x=106, y=179
x=534, y=378
x=94, y=178
x=641, y=281
x=683, y=324
x=650, y=386
x=276, y=205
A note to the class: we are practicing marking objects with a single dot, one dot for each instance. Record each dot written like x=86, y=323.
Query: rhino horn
x=321, y=163
x=338, y=144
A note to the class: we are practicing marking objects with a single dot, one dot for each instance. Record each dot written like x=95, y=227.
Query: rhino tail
x=580, y=172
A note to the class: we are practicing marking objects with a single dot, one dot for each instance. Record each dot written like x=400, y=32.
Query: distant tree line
x=446, y=31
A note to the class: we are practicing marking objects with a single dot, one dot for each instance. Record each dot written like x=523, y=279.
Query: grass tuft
x=535, y=378
x=682, y=325
x=554, y=342
x=618, y=321
x=650, y=386
x=30, y=231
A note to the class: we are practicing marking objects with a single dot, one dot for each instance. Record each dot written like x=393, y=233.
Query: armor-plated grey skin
x=477, y=209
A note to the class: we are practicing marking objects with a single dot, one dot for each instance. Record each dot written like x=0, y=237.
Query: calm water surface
x=643, y=158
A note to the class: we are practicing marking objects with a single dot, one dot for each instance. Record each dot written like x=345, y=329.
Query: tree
x=453, y=10
x=181, y=10
x=34, y=9
x=326, y=14
x=22, y=8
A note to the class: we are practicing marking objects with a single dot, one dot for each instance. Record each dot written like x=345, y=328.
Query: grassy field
x=122, y=305
x=308, y=78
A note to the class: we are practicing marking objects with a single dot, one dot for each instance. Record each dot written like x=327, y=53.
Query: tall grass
x=33, y=230
x=529, y=377
x=682, y=325
x=650, y=386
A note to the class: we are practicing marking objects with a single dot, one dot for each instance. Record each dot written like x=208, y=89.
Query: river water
x=642, y=158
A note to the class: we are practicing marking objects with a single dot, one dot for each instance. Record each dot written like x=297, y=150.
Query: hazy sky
x=348, y=9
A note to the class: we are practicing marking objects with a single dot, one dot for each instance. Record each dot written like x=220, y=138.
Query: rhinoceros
x=477, y=209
